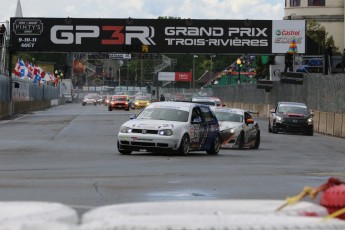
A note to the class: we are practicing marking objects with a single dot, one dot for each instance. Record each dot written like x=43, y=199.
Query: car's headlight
x=310, y=120
x=279, y=119
x=136, y=103
x=231, y=130
x=165, y=132
x=125, y=129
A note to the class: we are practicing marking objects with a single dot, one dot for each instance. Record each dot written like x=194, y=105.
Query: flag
x=16, y=70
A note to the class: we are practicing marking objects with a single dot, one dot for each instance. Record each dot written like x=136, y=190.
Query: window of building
x=316, y=2
x=295, y=2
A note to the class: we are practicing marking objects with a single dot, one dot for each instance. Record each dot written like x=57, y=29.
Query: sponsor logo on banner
x=285, y=32
x=154, y=36
x=175, y=76
x=183, y=76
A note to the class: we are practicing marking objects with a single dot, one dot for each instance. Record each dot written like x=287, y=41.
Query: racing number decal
x=118, y=38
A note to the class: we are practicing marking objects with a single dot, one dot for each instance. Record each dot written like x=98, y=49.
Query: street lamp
x=212, y=56
x=193, y=77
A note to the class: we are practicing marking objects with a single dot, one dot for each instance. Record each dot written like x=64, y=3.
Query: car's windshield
x=144, y=98
x=292, y=109
x=167, y=114
x=119, y=99
x=226, y=116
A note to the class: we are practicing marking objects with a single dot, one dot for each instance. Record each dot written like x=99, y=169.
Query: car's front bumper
x=289, y=127
x=147, y=142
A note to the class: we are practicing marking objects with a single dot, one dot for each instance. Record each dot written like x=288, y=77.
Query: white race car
x=237, y=128
x=171, y=127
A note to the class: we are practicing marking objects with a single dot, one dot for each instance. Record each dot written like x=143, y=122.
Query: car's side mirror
x=133, y=116
x=249, y=121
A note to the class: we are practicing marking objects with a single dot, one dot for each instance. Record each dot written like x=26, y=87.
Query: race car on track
x=142, y=101
x=119, y=102
x=171, y=127
x=291, y=117
x=237, y=128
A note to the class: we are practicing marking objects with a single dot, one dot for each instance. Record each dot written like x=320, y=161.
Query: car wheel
x=269, y=127
x=241, y=141
x=185, y=145
x=214, y=150
x=83, y=104
x=274, y=129
x=309, y=131
x=123, y=152
x=257, y=141
x=110, y=108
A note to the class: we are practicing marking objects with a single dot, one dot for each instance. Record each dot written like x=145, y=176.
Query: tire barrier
x=220, y=214
x=19, y=215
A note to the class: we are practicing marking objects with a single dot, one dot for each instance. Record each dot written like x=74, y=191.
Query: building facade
x=328, y=13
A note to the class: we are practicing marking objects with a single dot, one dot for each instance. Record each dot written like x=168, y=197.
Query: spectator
x=162, y=98
x=288, y=62
x=2, y=34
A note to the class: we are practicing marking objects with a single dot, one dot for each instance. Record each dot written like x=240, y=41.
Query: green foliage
x=318, y=33
x=262, y=65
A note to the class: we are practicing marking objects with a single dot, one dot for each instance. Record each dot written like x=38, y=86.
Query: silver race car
x=237, y=128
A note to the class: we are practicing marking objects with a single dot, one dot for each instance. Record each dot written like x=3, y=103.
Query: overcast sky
x=146, y=9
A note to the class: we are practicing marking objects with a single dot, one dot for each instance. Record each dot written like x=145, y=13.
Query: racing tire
x=121, y=151
x=184, y=145
x=214, y=150
x=309, y=131
x=257, y=141
x=110, y=108
x=241, y=141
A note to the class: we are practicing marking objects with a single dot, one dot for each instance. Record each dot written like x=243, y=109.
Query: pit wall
x=324, y=122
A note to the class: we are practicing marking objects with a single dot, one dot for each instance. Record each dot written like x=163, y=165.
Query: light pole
x=212, y=56
x=193, y=76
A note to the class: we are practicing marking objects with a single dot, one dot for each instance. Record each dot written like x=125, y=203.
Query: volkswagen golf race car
x=237, y=128
x=171, y=127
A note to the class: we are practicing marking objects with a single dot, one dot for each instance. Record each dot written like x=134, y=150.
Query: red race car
x=119, y=102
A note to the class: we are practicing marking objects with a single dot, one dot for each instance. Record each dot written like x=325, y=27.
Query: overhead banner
x=156, y=35
x=175, y=76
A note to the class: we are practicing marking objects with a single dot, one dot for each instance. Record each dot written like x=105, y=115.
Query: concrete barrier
x=338, y=122
x=330, y=124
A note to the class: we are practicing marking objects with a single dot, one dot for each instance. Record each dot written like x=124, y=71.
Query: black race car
x=291, y=117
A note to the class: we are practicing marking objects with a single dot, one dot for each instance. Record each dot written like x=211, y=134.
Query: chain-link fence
x=26, y=90
x=320, y=92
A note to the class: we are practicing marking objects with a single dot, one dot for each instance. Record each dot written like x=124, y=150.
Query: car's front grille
x=147, y=131
x=135, y=143
x=294, y=121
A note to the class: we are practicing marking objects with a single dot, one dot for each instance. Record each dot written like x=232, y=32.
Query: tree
x=318, y=33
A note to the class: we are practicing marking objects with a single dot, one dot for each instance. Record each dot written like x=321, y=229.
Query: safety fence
x=19, y=95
